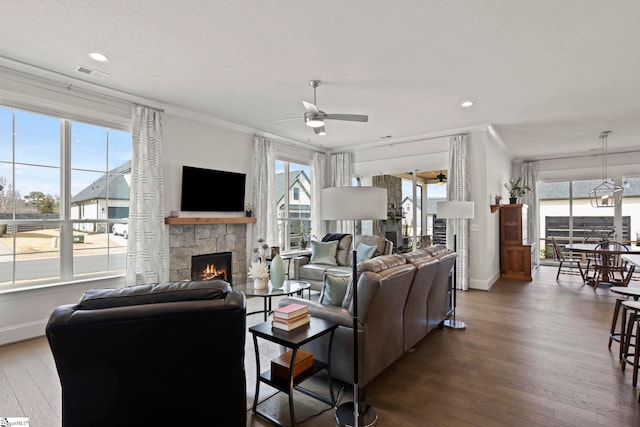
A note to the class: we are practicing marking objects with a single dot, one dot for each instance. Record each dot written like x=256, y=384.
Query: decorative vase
x=260, y=283
x=513, y=200
x=248, y=213
x=277, y=272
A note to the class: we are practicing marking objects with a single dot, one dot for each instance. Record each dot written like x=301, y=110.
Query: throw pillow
x=364, y=252
x=334, y=288
x=324, y=252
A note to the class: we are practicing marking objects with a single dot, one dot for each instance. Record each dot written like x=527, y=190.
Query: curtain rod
x=54, y=78
x=580, y=156
x=391, y=144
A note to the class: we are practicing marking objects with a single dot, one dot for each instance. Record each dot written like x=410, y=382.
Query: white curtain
x=317, y=184
x=529, y=173
x=264, y=200
x=459, y=189
x=341, y=175
x=147, y=247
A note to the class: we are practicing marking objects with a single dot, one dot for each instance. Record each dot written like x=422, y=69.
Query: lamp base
x=456, y=325
x=345, y=415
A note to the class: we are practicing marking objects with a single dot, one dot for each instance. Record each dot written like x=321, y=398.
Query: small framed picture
x=275, y=250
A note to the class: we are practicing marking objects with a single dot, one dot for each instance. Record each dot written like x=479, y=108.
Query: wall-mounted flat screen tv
x=208, y=190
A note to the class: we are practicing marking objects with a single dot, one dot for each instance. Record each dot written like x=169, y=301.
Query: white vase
x=260, y=283
x=277, y=272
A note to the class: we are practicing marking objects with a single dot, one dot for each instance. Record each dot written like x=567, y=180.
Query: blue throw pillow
x=364, y=252
x=334, y=288
x=324, y=252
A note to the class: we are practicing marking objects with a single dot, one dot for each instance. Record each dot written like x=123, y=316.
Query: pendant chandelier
x=607, y=194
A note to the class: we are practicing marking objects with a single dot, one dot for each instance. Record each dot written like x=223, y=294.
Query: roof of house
x=293, y=177
x=581, y=189
x=116, y=187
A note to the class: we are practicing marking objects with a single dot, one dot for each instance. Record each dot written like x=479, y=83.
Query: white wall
x=490, y=169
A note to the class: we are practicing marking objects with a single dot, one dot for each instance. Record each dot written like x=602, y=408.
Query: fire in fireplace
x=211, y=266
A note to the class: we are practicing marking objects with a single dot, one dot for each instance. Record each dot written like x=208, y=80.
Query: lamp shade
x=455, y=210
x=354, y=203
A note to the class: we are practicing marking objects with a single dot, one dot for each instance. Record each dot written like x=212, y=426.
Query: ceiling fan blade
x=282, y=120
x=310, y=107
x=349, y=117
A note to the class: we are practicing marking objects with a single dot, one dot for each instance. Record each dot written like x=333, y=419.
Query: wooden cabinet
x=515, y=250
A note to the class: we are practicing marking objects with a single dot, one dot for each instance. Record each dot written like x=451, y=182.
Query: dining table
x=605, y=253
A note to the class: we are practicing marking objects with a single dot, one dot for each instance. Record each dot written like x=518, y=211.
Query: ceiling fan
x=315, y=118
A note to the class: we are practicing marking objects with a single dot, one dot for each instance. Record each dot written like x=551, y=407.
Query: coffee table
x=289, y=287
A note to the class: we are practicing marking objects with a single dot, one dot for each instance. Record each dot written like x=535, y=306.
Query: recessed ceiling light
x=467, y=104
x=97, y=56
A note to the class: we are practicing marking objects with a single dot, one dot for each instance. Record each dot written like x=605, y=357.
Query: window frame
x=65, y=221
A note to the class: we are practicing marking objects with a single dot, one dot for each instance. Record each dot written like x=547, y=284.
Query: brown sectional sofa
x=400, y=299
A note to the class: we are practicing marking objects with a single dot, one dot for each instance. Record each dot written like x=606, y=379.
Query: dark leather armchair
x=160, y=354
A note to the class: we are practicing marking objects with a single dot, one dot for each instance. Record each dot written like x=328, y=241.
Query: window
x=293, y=202
x=63, y=185
x=566, y=214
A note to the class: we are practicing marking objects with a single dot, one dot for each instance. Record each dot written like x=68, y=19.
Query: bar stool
x=627, y=292
x=632, y=308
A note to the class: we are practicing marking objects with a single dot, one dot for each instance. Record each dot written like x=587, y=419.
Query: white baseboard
x=484, y=285
x=22, y=332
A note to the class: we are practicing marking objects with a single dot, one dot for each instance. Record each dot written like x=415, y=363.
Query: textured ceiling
x=549, y=75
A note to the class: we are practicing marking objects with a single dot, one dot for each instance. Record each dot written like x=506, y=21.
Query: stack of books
x=290, y=317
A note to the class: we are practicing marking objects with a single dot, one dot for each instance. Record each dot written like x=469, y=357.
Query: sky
x=33, y=140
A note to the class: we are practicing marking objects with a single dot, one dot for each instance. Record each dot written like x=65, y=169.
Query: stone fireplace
x=191, y=240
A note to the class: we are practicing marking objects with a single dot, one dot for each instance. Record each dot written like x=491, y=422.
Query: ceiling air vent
x=91, y=72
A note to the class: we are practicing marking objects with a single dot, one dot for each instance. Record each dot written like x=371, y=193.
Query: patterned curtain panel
x=317, y=184
x=459, y=189
x=341, y=175
x=264, y=199
x=147, y=247
x=529, y=173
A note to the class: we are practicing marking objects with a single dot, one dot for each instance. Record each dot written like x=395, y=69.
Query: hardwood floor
x=533, y=354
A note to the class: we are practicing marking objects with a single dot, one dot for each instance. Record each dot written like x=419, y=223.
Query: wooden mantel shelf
x=229, y=220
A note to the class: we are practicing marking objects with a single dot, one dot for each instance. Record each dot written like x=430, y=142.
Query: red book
x=290, y=311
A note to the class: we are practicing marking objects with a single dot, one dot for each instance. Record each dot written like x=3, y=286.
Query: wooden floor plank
x=533, y=354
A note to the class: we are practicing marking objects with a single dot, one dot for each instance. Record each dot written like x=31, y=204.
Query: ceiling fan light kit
x=313, y=120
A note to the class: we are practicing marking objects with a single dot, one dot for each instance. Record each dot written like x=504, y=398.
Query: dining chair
x=571, y=263
x=608, y=261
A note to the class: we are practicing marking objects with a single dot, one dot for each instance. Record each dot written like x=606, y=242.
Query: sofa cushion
x=324, y=252
x=154, y=293
x=334, y=289
x=364, y=252
x=382, y=244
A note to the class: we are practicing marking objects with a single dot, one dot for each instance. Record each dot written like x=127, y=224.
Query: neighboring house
x=298, y=187
x=105, y=198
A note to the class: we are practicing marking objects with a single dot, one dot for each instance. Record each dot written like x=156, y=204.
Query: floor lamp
x=354, y=203
x=455, y=210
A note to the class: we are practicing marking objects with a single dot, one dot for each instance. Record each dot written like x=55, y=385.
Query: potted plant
x=516, y=189
x=304, y=234
x=248, y=210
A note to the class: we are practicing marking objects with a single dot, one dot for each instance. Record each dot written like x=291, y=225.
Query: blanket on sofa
x=333, y=236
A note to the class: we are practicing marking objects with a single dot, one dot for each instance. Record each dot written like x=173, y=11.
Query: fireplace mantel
x=228, y=220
